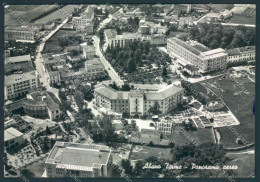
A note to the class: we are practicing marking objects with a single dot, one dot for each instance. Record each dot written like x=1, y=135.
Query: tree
x=138, y=168
x=126, y=87
x=79, y=99
x=114, y=86
x=164, y=73
x=62, y=95
x=47, y=131
x=131, y=65
x=27, y=173
x=125, y=163
x=155, y=109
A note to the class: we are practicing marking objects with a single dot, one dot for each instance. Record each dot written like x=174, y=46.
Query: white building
x=112, y=39
x=138, y=102
x=85, y=21
x=89, y=51
x=241, y=54
x=20, y=84
x=21, y=33
x=13, y=138
x=79, y=160
x=197, y=54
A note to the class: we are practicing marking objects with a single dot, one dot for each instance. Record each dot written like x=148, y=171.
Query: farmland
x=241, y=19
x=59, y=14
x=25, y=13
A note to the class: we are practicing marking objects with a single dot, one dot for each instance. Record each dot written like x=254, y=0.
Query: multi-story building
x=53, y=76
x=84, y=22
x=18, y=63
x=138, y=102
x=50, y=65
x=53, y=60
x=20, y=33
x=42, y=104
x=182, y=7
x=146, y=26
x=200, y=56
x=20, y=84
x=158, y=40
x=241, y=54
x=94, y=68
x=13, y=138
x=185, y=21
x=89, y=51
x=79, y=160
x=113, y=39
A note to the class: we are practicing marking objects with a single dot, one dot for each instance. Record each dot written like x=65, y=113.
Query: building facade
x=42, y=104
x=20, y=33
x=137, y=102
x=13, y=138
x=241, y=54
x=113, y=40
x=197, y=55
x=20, y=84
x=81, y=160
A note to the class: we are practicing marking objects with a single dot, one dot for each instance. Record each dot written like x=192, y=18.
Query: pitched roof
x=18, y=59
x=233, y=52
x=163, y=93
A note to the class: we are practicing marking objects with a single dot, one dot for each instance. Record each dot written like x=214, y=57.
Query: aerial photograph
x=129, y=91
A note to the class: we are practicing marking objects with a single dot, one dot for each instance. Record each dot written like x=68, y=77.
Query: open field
x=143, y=152
x=201, y=135
x=245, y=163
x=241, y=105
x=25, y=13
x=58, y=14
x=241, y=19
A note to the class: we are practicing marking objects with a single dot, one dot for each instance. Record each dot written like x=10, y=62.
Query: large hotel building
x=139, y=101
x=79, y=160
x=200, y=56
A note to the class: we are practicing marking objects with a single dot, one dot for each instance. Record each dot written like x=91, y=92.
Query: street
x=39, y=60
x=111, y=72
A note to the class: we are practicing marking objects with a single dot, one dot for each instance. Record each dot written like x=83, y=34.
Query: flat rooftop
x=11, y=133
x=77, y=156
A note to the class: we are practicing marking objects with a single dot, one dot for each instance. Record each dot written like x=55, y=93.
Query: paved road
x=107, y=20
x=39, y=60
x=112, y=73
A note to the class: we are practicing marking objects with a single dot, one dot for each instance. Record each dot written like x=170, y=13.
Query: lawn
x=201, y=135
x=240, y=19
x=245, y=163
x=62, y=14
x=25, y=13
x=143, y=152
x=241, y=105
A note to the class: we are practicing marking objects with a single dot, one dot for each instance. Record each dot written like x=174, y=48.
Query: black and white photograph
x=129, y=91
